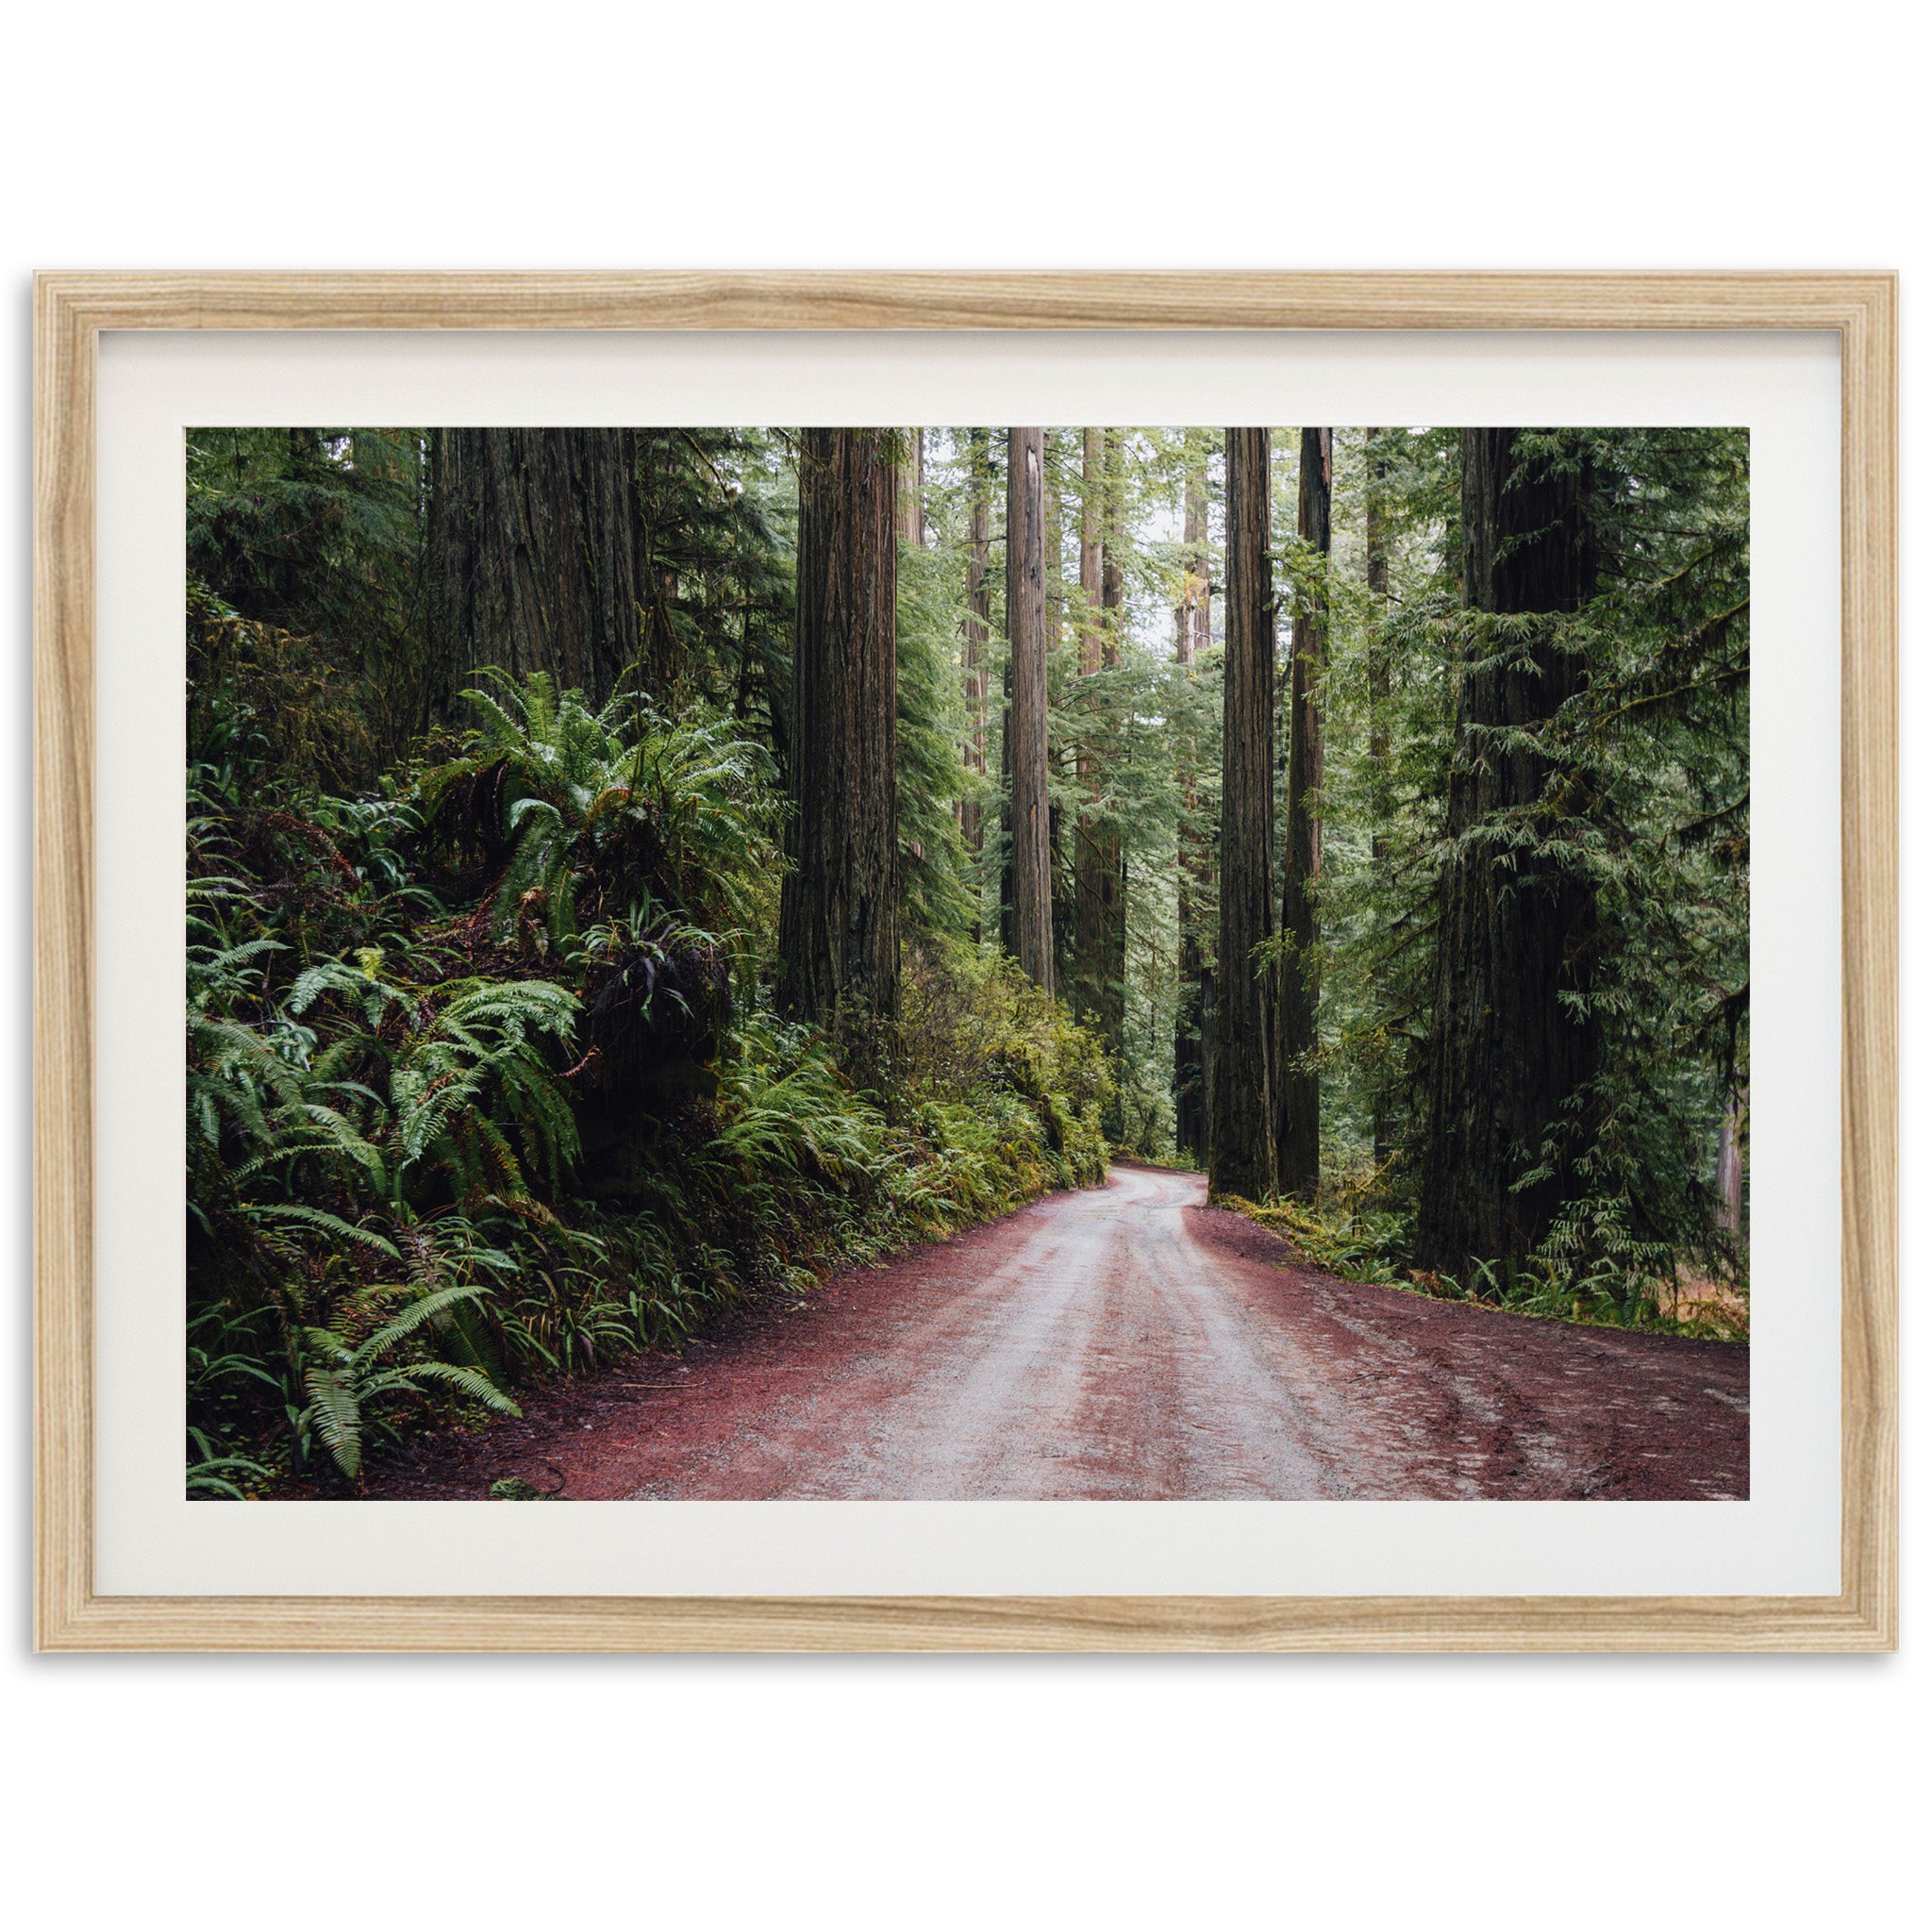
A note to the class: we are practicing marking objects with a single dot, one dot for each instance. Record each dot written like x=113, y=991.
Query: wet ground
x=1128, y=1342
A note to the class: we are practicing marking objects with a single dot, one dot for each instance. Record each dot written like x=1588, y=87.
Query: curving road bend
x=1129, y=1342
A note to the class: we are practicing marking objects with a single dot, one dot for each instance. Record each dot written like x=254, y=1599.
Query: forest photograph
x=938, y=963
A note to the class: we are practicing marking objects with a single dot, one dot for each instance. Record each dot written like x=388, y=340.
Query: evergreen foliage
x=486, y=1078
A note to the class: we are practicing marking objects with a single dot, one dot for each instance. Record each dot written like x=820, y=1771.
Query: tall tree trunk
x=534, y=556
x=1110, y=964
x=663, y=483
x=1376, y=571
x=1052, y=573
x=1243, y=1144
x=839, y=907
x=1054, y=602
x=1009, y=943
x=1298, y=1087
x=1026, y=639
x=1086, y=987
x=1192, y=627
x=911, y=517
x=978, y=620
x=1515, y=931
x=1193, y=851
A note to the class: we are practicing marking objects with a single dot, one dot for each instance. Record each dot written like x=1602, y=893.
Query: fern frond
x=321, y=1218
x=336, y=1413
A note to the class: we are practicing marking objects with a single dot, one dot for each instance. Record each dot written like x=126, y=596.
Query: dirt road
x=1130, y=1343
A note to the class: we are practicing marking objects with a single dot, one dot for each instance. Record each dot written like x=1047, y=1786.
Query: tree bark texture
x=1008, y=942
x=912, y=490
x=534, y=556
x=838, y=908
x=1099, y=947
x=978, y=620
x=1110, y=963
x=1193, y=855
x=1026, y=638
x=1515, y=930
x=1297, y=1037
x=1242, y=1143
x=1376, y=574
x=1060, y=869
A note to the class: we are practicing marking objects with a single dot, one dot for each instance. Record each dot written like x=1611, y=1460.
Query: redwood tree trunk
x=1376, y=571
x=534, y=551
x=1516, y=930
x=1298, y=1090
x=1192, y=853
x=1243, y=1146
x=1110, y=964
x=911, y=520
x=1087, y=983
x=1059, y=869
x=978, y=620
x=838, y=908
x=1026, y=637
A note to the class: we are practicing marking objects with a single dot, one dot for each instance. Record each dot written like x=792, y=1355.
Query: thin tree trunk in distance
x=1190, y=629
x=839, y=907
x=1026, y=638
x=1376, y=571
x=534, y=554
x=1110, y=964
x=1084, y=988
x=661, y=487
x=1192, y=853
x=1731, y=1162
x=1243, y=1142
x=1008, y=942
x=978, y=620
x=1298, y=1090
x=1052, y=574
x=912, y=519
x=1053, y=604
x=1505, y=1050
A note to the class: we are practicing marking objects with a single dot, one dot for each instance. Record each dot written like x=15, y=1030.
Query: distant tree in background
x=979, y=621
x=1193, y=885
x=1032, y=923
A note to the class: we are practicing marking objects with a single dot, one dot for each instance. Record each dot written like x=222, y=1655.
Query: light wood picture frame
x=72, y=312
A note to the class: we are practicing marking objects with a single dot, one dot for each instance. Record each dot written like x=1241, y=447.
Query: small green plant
x=344, y=1378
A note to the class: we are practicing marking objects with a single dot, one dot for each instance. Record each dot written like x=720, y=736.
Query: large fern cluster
x=484, y=1084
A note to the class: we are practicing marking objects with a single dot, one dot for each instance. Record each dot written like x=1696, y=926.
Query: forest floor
x=1125, y=1342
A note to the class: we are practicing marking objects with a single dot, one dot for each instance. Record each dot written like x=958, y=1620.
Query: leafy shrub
x=1369, y=1246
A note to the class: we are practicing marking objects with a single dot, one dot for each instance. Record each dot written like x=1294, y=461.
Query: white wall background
x=904, y=1793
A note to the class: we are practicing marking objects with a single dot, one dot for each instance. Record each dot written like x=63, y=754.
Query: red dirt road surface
x=1128, y=1342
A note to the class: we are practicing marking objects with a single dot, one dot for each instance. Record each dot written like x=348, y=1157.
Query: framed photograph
x=1162, y=1030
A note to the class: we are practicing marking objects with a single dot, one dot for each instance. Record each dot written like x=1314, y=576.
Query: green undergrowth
x=486, y=1085
x=1371, y=1246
